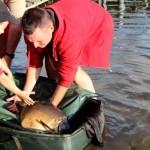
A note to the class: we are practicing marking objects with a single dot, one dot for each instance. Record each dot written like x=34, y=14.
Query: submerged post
x=122, y=5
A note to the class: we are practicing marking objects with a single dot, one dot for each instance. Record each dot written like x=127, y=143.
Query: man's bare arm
x=9, y=84
x=31, y=78
x=58, y=95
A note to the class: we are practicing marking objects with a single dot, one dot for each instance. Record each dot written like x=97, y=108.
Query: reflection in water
x=127, y=88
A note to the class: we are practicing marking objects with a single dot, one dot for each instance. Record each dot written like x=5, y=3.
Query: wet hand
x=14, y=99
x=22, y=96
x=13, y=107
x=25, y=97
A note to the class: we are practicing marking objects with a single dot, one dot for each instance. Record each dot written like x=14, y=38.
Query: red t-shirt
x=83, y=37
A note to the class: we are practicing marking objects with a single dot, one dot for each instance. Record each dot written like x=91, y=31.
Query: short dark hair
x=33, y=18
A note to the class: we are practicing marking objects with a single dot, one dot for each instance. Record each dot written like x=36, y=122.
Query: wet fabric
x=94, y=128
x=90, y=117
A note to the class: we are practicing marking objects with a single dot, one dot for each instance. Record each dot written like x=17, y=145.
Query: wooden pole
x=122, y=5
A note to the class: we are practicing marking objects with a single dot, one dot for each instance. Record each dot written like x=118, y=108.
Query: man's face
x=41, y=36
x=3, y=26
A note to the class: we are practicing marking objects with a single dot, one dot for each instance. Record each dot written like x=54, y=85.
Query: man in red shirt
x=68, y=34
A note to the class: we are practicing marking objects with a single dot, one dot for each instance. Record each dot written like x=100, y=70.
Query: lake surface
x=127, y=88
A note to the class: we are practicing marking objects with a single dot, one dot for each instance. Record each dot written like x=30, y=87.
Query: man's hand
x=25, y=97
x=22, y=96
x=13, y=107
x=14, y=98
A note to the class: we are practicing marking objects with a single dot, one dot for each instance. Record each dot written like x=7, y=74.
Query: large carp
x=42, y=115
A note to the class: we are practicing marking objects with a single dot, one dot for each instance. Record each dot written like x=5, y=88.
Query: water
x=127, y=88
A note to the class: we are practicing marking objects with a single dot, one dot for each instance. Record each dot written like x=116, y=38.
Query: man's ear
x=52, y=27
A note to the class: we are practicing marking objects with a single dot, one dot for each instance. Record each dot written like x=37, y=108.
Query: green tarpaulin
x=12, y=137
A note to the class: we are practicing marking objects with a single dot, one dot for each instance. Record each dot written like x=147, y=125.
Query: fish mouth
x=46, y=127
